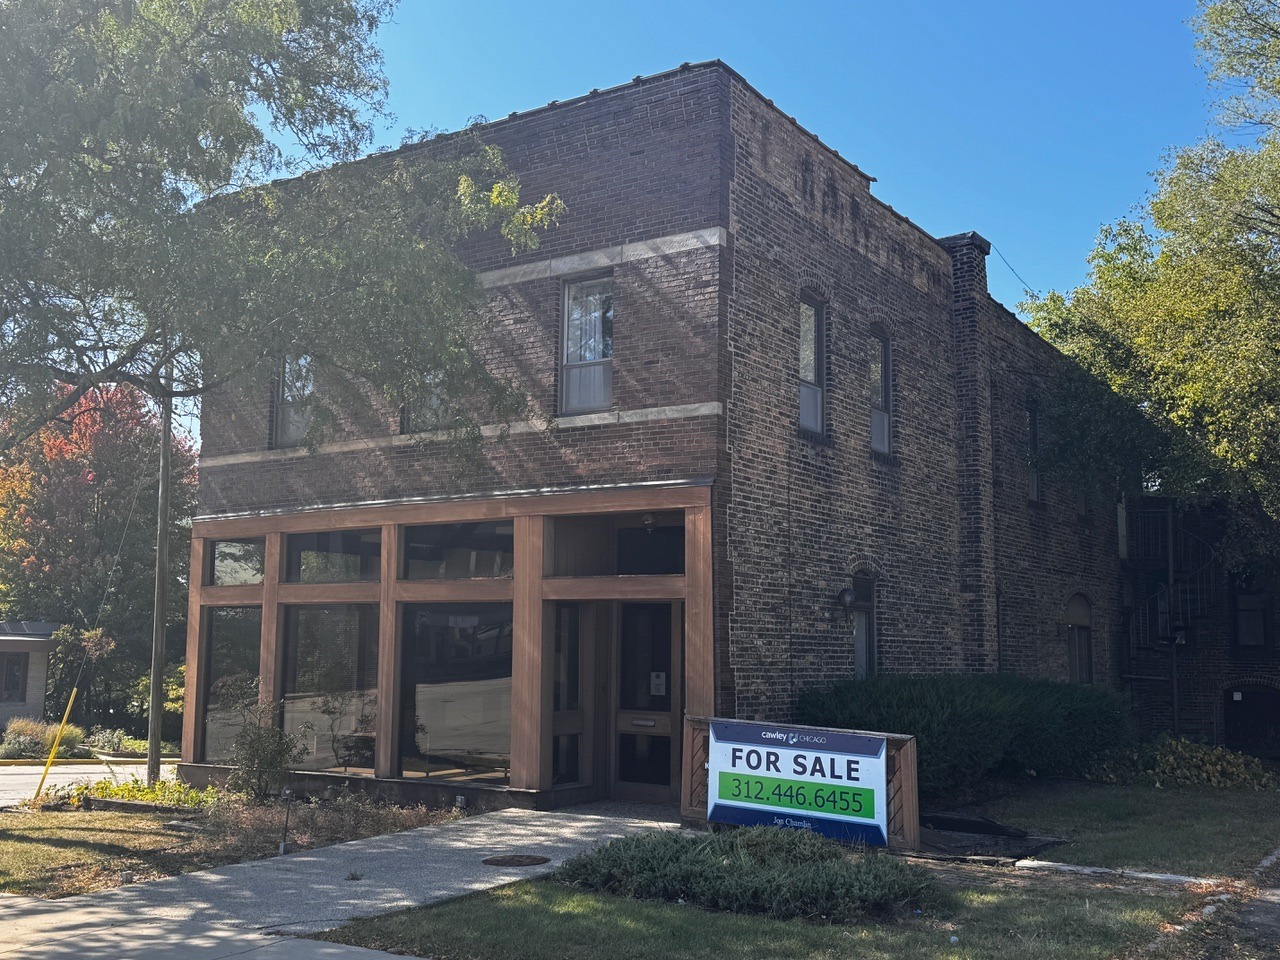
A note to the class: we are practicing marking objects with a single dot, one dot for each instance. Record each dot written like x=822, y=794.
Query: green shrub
x=119, y=741
x=784, y=874
x=969, y=727
x=1174, y=762
x=20, y=747
x=23, y=731
x=166, y=793
x=261, y=753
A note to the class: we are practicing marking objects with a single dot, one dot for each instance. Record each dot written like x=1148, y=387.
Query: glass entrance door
x=646, y=761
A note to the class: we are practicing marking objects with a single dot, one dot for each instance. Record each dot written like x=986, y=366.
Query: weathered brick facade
x=715, y=213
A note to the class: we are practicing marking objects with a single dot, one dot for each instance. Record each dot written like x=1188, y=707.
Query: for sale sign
x=807, y=778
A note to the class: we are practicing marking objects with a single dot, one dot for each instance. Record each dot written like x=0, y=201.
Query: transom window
x=586, y=375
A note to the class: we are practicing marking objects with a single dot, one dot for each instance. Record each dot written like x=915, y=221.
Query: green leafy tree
x=139, y=233
x=1180, y=313
x=79, y=532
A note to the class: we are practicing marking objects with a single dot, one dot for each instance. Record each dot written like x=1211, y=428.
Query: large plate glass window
x=456, y=692
x=234, y=641
x=331, y=684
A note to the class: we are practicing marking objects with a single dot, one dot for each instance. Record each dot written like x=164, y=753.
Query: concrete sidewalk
x=18, y=782
x=251, y=909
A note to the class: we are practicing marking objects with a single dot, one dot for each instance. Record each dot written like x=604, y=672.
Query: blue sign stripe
x=844, y=831
x=765, y=734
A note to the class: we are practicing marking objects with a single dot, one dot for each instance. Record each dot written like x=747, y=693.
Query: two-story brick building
x=791, y=436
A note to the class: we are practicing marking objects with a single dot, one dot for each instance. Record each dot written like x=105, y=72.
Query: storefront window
x=330, y=684
x=234, y=640
x=459, y=551
x=456, y=708
x=236, y=563
x=341, y=556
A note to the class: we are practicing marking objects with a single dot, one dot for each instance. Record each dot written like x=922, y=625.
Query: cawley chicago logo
x=790, y=737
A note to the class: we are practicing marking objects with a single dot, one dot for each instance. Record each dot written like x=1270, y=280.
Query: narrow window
x=812, y=365
x=13, y=677
x=879, y=377
x=862, y=624
x=1034, y=478
x=1079, y=640
x=294, y=389
x=1250, y=614
x=586, y=373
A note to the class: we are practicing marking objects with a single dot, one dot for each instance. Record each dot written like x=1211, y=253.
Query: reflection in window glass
x=459, y=551
x=341, y=556
x=588, y=332
x=294, y=393
x=876, y=374
x=236, y=563
x=330, y=683
x=565, y=695
x=234, y=640
x=565, y=752
x=456, y=714
x=808, y=343
x=13, y=677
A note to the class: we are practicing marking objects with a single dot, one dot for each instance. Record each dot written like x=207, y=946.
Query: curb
x=94, y=762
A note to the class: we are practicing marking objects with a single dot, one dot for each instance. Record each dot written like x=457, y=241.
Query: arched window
x=1079, y=640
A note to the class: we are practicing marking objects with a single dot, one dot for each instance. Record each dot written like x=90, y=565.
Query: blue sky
x=1031, y=123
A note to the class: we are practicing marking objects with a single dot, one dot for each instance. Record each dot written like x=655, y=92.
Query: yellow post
x=57, y=742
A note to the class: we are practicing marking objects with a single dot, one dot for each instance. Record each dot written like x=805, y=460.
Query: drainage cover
x=516, y=860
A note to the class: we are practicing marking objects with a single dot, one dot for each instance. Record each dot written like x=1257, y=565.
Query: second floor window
x=812, y=366
x=294, y=391
x=879, y=375
x=586, y=372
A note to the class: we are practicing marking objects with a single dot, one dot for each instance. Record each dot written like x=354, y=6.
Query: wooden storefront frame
x=529, y=591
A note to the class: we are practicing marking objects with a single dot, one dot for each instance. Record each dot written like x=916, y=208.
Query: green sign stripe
x=807, y=795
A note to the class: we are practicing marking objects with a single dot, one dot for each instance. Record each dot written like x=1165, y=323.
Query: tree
x=78, y=537
x=137, y=230
x=1180, y=313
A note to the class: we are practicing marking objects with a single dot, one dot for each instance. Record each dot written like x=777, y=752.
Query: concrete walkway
x=251, y=910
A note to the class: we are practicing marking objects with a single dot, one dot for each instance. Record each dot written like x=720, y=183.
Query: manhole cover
x=516, y=860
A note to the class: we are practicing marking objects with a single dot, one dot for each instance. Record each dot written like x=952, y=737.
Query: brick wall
x=970, y=576
x=630, y=165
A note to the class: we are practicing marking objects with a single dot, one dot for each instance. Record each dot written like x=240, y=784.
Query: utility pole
x=156, y=712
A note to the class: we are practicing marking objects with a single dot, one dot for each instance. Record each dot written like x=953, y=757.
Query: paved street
x=252, y=909
x=18, y=783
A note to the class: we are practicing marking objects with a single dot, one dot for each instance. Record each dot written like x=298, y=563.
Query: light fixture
x=648, y=521
x=846, y=599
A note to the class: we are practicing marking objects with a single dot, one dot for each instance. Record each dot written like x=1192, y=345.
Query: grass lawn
x=1193, y=831
x=993, y=916
x=66, y=853
x=37, y=847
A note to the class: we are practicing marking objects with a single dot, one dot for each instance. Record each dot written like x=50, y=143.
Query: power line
x=1025, y=286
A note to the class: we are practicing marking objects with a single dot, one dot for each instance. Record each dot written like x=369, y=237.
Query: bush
x=968, y=727
x=22, y=732
x=119, y=741
x=20, y=747
x=783, y=874
x=1174, y=762
x=166, y=793
x=262, y=754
